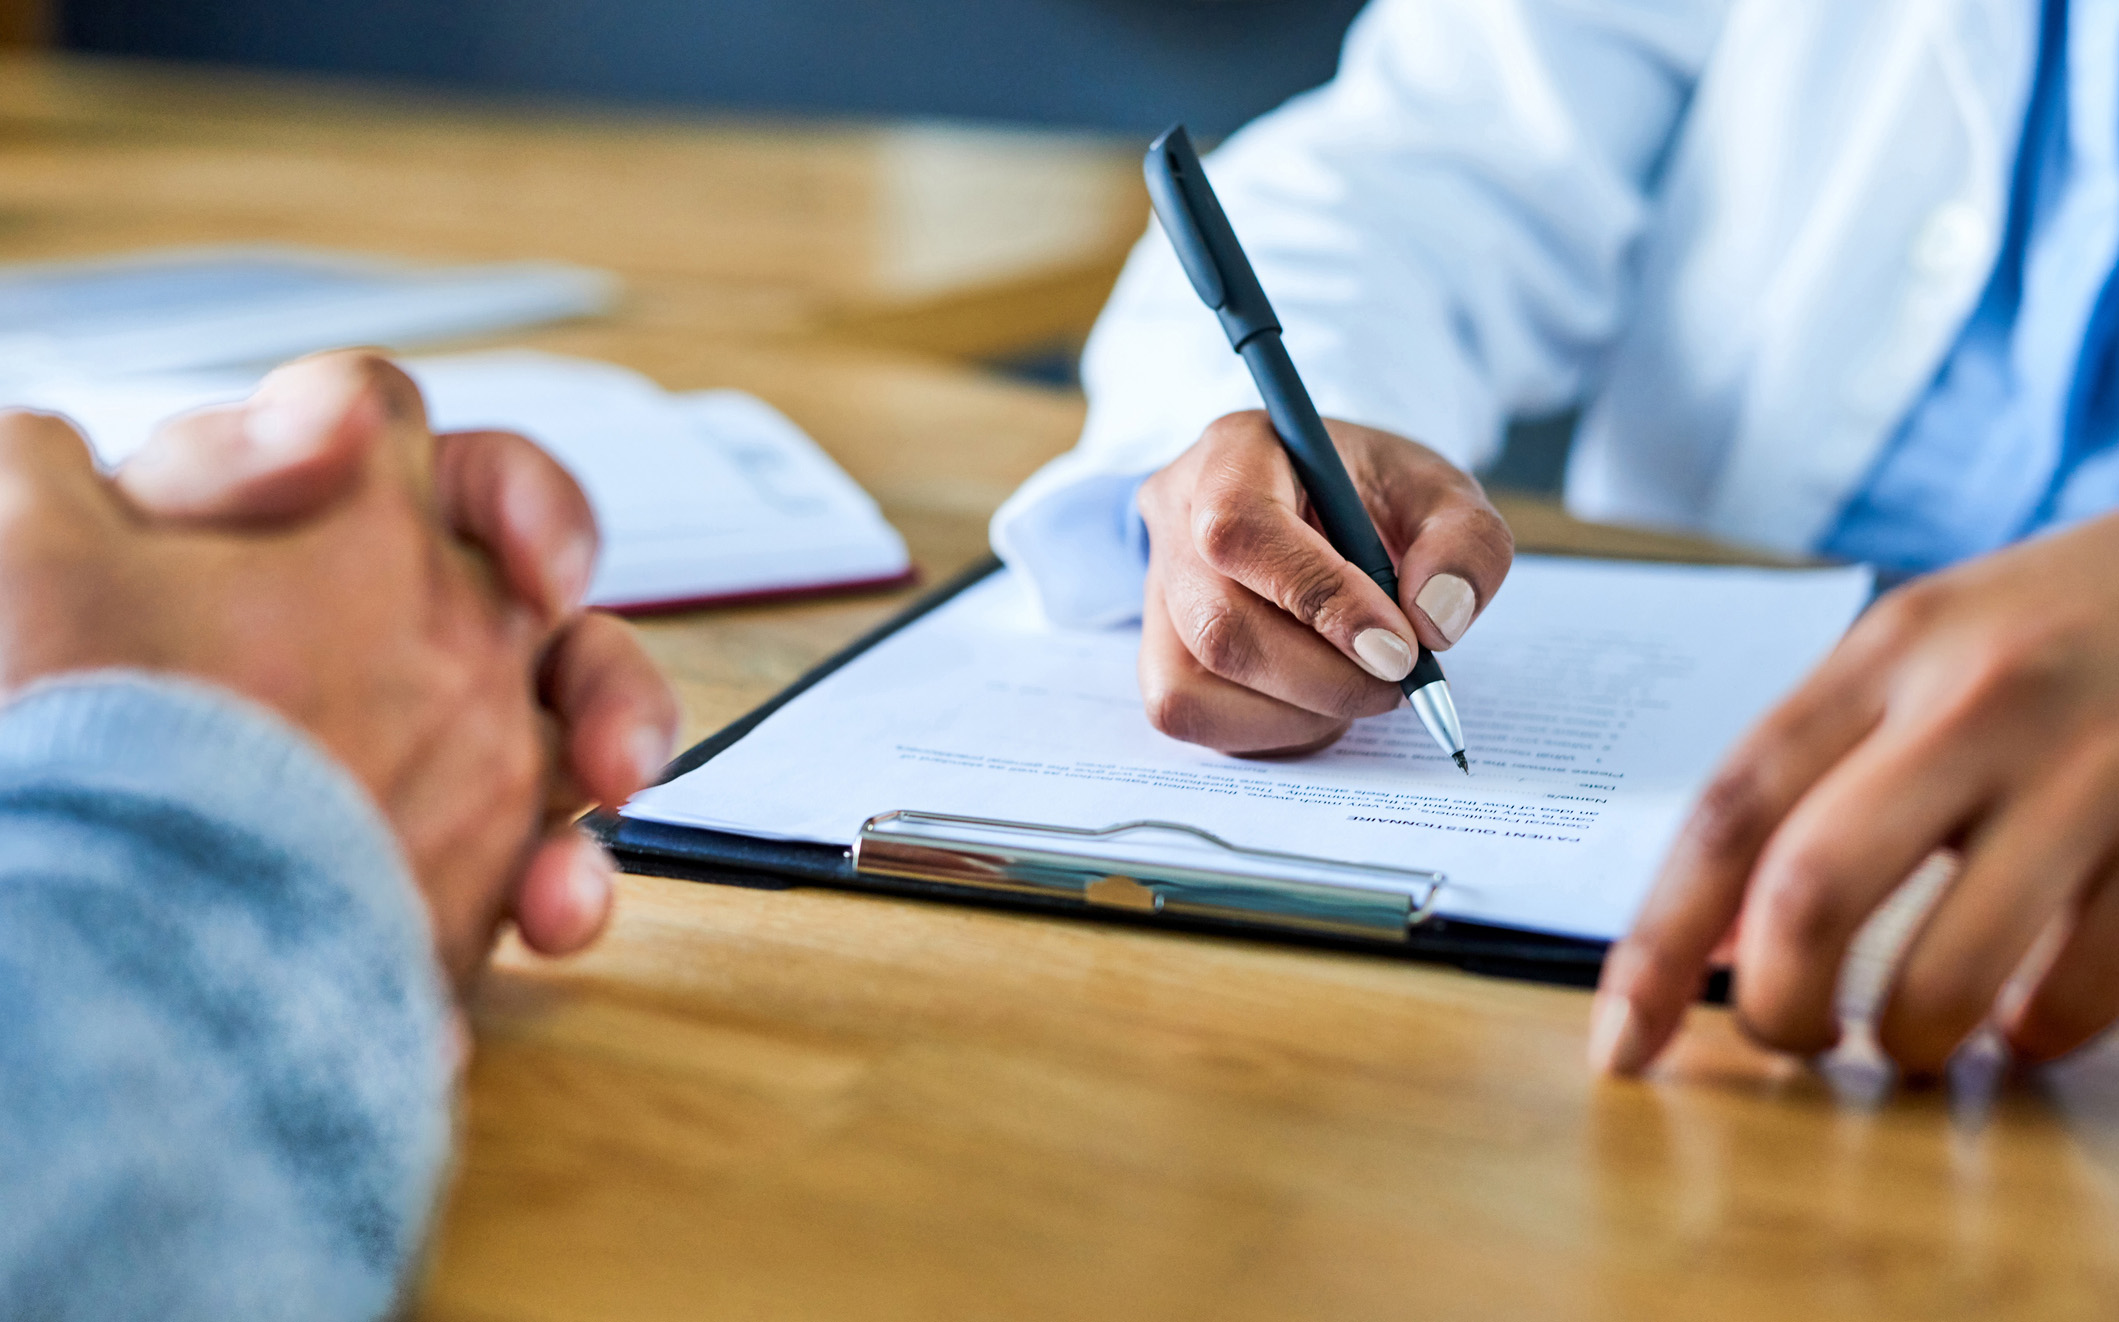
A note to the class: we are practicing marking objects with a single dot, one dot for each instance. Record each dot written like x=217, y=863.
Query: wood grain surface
x=803, y=1104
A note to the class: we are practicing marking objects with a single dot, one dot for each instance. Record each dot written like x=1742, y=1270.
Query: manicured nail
x=1449, y=601
x=651, y=752
x=1383, y=654
x=1616, y=1044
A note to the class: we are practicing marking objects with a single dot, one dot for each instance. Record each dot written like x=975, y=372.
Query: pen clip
x=1205, y=242
x=1170, y=160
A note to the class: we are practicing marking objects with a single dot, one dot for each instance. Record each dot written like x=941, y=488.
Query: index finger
x=520, y=506
x=617, y=715
x=1246, y=525
x=1655, y=972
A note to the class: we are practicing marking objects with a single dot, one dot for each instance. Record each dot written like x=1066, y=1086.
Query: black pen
x=1206, y=246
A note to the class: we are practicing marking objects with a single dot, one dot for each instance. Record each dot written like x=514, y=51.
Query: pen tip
x=1463, y=764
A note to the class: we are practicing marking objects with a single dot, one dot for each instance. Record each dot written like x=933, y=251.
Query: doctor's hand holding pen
x=1260, y=639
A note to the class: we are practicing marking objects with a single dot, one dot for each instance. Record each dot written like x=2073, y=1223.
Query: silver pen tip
x=1463, y=765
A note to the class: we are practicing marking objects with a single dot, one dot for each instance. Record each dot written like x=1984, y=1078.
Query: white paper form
x=1596, y=697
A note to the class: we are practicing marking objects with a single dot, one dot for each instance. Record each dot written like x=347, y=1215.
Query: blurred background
x=1092, y=77
x=1128, y=65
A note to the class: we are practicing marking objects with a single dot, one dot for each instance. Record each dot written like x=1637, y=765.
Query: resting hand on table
x=1977, y=710
x=410, y=602
x=1257, y=637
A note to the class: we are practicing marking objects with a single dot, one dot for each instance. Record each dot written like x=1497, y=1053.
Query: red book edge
x=845, y=587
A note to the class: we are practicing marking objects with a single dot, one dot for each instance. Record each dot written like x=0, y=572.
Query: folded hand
x=410, y=602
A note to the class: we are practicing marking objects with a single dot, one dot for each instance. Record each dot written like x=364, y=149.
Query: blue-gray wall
x=1130, y=65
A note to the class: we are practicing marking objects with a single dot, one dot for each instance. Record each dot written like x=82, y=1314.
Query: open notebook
x=702, y=498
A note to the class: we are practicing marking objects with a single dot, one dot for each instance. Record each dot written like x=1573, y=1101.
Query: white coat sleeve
x=1444, y=230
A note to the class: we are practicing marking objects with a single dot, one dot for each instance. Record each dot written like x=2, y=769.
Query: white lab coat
x=1743, y=235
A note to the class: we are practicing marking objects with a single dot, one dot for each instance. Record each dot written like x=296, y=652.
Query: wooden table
x=929, y=236
x=818, y=1105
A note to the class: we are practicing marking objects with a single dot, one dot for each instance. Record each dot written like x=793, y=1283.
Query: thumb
x=294, y=448
x=1453, y=547
x=1456, y=563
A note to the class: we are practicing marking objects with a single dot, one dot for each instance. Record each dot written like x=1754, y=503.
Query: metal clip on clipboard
x=1318, y=896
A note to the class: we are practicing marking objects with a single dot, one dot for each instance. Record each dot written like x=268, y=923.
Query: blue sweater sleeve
x=224, y=1068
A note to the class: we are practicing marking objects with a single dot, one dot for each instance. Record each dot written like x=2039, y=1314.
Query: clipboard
x=909, y=850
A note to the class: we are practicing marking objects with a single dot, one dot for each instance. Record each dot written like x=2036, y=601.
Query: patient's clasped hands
x=411, y=602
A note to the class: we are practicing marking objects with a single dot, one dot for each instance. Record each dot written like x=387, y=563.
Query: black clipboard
x=725, y=858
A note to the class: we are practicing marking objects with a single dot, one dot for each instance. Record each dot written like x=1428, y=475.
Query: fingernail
x=590, y=883
x=1449, y=601
x=1383, y=654
x=291, y=421
x=572, y=568
x=651, y=753
x=1616, y=1043
x=592, y=875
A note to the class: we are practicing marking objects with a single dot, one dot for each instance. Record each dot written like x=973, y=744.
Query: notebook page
x=699, y=496
x=1596, y=697
x=803, y=521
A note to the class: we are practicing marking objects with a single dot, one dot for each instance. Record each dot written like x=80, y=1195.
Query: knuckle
x=1221, y=642
x=1484, y=527
x=1227, y=531
x=1992, y=677
x=1734, y=812
x=1175, y=709
x=28, y=437
x=1903, y=615
x=2020, y=667
x=1496, y=536
x=1314, y=594
x=17, y=426
x=1241, y=427
x=1997, y=680
x=37, y=522
x=1357, y=694
x=1802, y=902
x=1642, y=967
x=377, y=375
